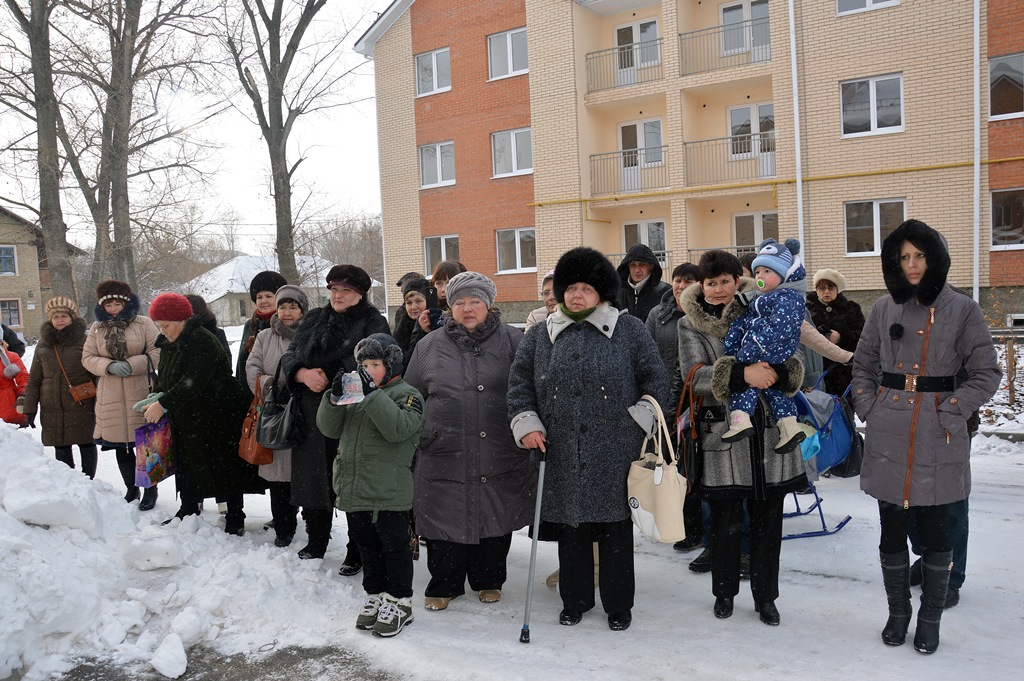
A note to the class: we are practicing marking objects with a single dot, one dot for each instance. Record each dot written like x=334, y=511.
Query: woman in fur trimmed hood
x=56, y=364
x=917, y=446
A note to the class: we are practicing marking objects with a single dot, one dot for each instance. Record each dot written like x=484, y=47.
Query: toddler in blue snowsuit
x=769, y=331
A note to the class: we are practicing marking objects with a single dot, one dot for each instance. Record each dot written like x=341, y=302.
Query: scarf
x=470, y=340
x=576, y=316
x=117, y=344
x=255, y=326
x=282, y=330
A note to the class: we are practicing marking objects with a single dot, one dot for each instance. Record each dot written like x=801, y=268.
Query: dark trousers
x=451, y=563
x=385, y=551
x=692, y=516
x=281, y=509
x=765, y=546
x=958, y=531
x=617, y=580
x=88, y=453
x=705, y=508
x=932, y=527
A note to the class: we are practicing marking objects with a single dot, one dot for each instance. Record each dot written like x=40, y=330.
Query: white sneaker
x=739, y=426
x=368, y=615
x=790, y=435
x=222, y=506
x=393, y=616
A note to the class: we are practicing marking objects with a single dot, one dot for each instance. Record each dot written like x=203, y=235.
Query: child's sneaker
x=739, y=426
x=790, y=435
x=368, y=615
x=392, y=617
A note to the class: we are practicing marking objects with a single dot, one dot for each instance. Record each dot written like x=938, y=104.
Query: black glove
x=368, y=385
x=338, y=385
x=31, y=416
x=434, y=316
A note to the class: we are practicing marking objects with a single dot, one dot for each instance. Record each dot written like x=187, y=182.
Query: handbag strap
x=56, y=351
x=663, y=433
x=695, y=402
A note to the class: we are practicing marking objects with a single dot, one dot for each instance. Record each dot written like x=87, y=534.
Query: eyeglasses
x=547, y=292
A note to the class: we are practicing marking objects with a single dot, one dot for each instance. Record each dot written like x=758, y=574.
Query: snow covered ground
x=84, y=575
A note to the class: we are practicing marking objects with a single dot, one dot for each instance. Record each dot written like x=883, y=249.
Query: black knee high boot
x=318, y=529
x=896, y=578
x=126, y=464
x=89, y=460
x=935, y=568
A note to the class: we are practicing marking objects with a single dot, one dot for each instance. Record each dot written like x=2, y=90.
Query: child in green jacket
x=373, y=477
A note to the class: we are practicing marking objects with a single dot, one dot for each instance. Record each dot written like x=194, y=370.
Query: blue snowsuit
x=769, y=331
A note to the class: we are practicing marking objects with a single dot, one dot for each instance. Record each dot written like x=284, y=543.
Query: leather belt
x=919, y=384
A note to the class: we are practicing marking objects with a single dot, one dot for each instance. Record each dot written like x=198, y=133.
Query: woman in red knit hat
x=205, y=405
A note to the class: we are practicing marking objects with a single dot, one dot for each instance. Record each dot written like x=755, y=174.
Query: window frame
x=5, y=313
x=508, y=52
x=519, y=269
x=644, y=236
x=870, y=5
x=437, y=148
x=757, y=139
x=515, y=157
x=429, y=266
x=875, y=130
x=1002, y=247
x=876, y=226
x=433, y=67
x=14, y=260
x=1013, y=114
x=758, y=216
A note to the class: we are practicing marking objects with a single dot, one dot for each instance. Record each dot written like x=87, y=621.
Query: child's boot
x=739, y=426
x=790, y=435
x=393, y=615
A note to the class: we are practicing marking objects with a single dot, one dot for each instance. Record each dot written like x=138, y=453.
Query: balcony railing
x=738, y=44
x=726, y=159
x=664, y=258
x=633, y=170
x=624, y=65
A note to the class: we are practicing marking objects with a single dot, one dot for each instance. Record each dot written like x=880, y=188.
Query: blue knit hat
x=780, y=258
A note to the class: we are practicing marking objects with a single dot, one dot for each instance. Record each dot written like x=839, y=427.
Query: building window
x=437, y=164
x=517, y=249
x=438, y=248
x=651, y=233
x=8, y=261
x=1008, y=219
x=869, y=222
x=854, y=6
x=512, y=152
x=872, y=105
x=1006, y=86
x=243, y=312
x=433, y=72
x=745, y=29
x=507, y=53
x=10, y=312
x=750, y=229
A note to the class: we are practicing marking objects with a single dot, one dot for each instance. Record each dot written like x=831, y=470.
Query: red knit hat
x=170, y=307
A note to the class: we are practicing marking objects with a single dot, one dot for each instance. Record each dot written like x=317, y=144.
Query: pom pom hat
x=780, y=258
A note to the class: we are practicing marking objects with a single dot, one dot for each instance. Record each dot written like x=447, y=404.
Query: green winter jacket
x=373, y=469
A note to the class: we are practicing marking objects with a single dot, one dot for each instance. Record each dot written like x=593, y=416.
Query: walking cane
x=524, y=635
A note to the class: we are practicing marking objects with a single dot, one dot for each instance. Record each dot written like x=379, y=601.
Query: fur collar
x=71, y=335
x=930, y=242
x=704, y=322
x=603, y=318
x=131, y=309
x=191, y=324
x=279, y=327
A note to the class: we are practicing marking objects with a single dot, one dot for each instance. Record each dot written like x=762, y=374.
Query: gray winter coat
x=575, y=382
x=917, y=448
x=266, y=354
x=470, y=481
x=746, y=468
x=662, y=323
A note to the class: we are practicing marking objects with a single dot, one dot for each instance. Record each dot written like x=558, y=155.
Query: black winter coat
x=250, y=329
x=842, y=315
x=324, y=340
x=205, y=405
x=640, y=303
x=64, y=421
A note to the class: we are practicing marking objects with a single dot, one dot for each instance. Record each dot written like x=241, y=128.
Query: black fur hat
x=590, y=267
x=929, y=242
x=349, y=275
x=268, y=280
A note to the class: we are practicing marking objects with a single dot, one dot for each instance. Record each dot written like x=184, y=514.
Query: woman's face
x=170, y=330
x=720, y=290
x=580, y=296
x=289, y=313
x=60, y=320
x=441, y=285
x=547, y=294
x=913, y=263
x=265, y=302
x=415, y=304
x=113, y=307
x=344, y=297
x=470, y=312
x=827, y=291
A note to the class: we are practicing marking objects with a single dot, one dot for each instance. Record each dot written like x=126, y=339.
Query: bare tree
x=293, y=76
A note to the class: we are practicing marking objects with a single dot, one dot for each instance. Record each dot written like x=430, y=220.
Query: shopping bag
x=154, y=453
x=248, y=448
x=655, y=488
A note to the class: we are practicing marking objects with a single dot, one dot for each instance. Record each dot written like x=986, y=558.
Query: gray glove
x=12, y=370
x=141, y=405
x=119, y=368
x=643, y=413
x=19, y=404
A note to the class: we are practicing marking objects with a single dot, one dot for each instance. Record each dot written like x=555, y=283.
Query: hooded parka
x=917, y=446
x=639, y=303
x=115, y=420
x=64, y=421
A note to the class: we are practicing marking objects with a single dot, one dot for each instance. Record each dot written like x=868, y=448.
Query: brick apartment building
x=677, y=124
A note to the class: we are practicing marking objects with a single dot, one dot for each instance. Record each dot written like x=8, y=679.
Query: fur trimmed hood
x=933, y=245
x=72, y=334
x=704, y=322
x=131, y=309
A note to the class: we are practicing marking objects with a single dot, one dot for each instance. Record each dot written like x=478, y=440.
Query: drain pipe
x=977, y=149
x=796, y=133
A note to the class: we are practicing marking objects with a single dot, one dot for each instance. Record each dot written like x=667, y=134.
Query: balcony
x=730, y=159
x=632, y=170
x=719, y=47
x=624, y=66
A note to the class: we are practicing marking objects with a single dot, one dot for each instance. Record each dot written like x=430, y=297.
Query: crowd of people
x=428, y=432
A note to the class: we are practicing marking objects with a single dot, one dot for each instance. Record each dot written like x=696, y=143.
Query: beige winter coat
x=262, y=361
x=115, y=420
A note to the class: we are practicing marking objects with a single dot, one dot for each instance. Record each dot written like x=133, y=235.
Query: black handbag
x=280, y=426
x=690, y=452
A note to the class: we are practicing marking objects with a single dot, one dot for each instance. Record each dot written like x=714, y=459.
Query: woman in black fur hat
x=262, y=291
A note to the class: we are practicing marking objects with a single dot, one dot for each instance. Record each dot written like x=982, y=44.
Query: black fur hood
x=933, y=245
x=71, y=335
x=130, y=311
